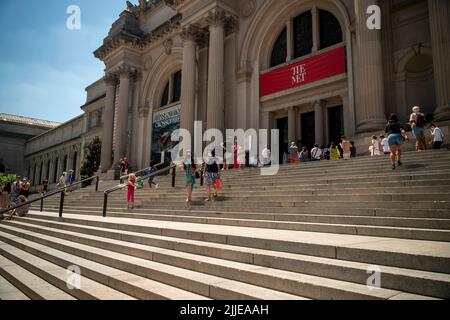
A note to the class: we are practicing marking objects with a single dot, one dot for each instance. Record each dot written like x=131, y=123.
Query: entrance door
x=335, y=124
x=308, y=130
x=282, y=126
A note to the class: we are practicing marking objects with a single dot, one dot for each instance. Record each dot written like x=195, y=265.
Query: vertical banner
x=164, y=123
x=306, y=71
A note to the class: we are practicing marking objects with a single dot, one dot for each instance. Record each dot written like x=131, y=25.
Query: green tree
x=91, y=161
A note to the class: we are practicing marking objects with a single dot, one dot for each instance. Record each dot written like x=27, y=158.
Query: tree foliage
x=91, y=161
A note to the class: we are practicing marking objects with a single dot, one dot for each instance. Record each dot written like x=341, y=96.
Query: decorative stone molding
x=110, y=79
x=148, y=63
x=216, y=17
x=245, y=75
x=175, y=4
x=168, y=44
x=125, y=71
x=144, y=111
x=231, y=24
x=190, y=33
x=247, y=8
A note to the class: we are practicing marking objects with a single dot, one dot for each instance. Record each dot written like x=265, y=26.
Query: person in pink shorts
x=131, y=189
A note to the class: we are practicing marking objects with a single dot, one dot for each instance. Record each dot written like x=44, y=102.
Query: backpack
x=421, y=122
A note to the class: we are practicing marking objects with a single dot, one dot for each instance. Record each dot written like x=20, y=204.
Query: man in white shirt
x=316, y=153
x=438, y=136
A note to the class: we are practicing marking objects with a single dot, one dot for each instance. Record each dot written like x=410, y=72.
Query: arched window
x=303, y=34
x=330, y=29
x=165, y=96
x=303, y=37
x=279, y=51
x=172, y=90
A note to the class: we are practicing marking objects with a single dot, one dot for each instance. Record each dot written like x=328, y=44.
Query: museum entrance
x=335, y=124
x=308, y=130
x=282, y=126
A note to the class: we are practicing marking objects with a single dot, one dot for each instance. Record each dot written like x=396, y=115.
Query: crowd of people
x=18, y=192
x=396, y=134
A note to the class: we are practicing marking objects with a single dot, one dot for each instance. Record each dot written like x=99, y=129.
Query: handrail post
x=61, y=204
x=105, y=204
x=96, y=184
x=42, y=204
x=174, y=175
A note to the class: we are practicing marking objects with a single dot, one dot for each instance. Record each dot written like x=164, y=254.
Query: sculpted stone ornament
x=216, y=17
x=247, y=8
x=190, y=33
x=110, y=79
x=148, y=63
x=168, y=44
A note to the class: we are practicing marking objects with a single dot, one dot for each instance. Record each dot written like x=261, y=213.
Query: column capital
x=144, y=111
x=125, y=71
x=110, y=79
x=190, y=33
x=216, y=18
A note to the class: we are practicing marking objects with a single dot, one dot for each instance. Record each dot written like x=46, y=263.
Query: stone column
x=142, y=138
x=319, y=113
x=370, y=111
x=108, y=123
x=215, y=111
x=292, y=125
x=189, y=74
x=122, y=114
x=439, y=11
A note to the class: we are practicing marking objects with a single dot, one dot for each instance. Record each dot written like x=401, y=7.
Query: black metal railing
x=172, y=167
x=49, y=194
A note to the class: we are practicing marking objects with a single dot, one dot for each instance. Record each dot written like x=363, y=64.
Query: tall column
x=122, y=114
x=292, y=124
x=440, y=42
x=142, y=137
x=319, y=113
x=215, y=111
x=108, y=123
x=189, y=73
x=369, y=85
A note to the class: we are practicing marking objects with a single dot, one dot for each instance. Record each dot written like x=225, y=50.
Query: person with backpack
x=438, y=136
x=418, y=123
x=211, y=174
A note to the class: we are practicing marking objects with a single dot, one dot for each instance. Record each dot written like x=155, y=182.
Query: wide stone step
x=55, y=274
x=412, y=254
x=418, y=282
x=267, y=211
x=30, y=284
x=203, y=284
x=9, y=292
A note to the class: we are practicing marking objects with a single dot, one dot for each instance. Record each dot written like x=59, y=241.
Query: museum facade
x=312, y=69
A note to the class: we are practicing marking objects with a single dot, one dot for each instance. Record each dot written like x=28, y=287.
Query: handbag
x=219, y=184
x=197, y=175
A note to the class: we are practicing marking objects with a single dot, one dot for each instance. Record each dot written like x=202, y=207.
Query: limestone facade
x=204, y=60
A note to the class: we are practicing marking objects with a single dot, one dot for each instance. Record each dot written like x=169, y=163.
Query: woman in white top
x=385, y=145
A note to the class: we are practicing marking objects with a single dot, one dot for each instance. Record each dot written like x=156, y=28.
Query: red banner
x=313, y=69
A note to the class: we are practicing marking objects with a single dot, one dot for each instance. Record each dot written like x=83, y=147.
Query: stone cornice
x=124, y=40
x=175, y=4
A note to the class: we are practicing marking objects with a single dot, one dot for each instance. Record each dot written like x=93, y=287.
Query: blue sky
x=45, y=67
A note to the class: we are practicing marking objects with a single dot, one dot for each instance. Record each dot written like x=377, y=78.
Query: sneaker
x=393, y=167
x=208, y=199
x=157, y=186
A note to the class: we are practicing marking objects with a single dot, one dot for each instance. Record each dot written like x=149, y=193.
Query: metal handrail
x=138, y=172
x=121, y=186
x=61, y=191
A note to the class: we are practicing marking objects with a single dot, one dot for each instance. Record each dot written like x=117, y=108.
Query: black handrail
x=61, y=191
x=121, y=186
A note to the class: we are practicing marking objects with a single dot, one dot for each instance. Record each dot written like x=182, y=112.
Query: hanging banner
x=310, y=70
x=164, y=123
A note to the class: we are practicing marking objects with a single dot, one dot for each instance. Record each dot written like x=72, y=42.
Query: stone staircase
x=314, y=231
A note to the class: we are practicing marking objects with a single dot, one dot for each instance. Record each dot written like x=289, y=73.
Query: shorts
x=211, y=178
x=395, y=139
x=419, y=133
x=190, y=180
x=347, y=156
